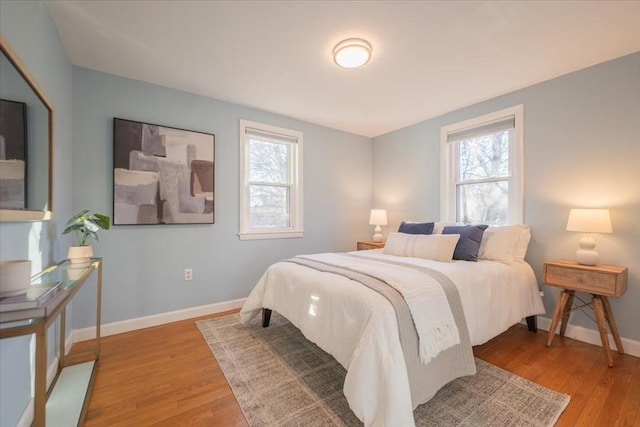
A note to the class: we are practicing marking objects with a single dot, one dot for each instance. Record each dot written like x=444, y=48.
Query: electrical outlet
x=188, y=274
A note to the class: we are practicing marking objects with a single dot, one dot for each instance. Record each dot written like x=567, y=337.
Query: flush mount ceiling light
x=352, y=53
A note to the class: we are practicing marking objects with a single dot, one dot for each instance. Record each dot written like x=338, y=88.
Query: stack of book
x=38, y=301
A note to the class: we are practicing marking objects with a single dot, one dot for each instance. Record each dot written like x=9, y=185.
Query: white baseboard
x=27, y=416
x=631, y=347
x=85, y=334
x=591, y=336
x=69, y=342
x=580, y=333
x=155, y=320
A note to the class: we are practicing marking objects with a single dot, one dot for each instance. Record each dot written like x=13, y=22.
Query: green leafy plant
x=85, y=225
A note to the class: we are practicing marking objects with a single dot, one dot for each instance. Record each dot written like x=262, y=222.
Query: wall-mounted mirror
x=26, y=143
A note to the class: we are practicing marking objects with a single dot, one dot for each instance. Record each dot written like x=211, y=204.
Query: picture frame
x=13, y=155
x=162, y=175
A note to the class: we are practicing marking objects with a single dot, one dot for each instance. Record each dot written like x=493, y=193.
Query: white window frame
x=287, y=136
x=449, y=164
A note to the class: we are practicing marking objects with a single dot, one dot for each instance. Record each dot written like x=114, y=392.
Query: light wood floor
x=166, y=376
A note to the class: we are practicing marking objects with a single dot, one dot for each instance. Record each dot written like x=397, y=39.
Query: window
x=270, y=182
x=482, y=169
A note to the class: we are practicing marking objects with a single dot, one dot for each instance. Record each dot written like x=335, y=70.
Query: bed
x=359, y=327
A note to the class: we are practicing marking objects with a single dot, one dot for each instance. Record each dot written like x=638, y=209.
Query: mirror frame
x=15, y=215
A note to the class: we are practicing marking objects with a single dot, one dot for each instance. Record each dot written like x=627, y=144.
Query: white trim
x=68, y=343
x=27, y=416
x=52, y=370
x=631, y=347
x=78, y=335
x=295, y=140
x=279, y=235
x=155, y=320
x=516, y=164
x=580, y=333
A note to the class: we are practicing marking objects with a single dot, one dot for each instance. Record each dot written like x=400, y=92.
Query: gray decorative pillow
x=416, y=227
x=468, y=246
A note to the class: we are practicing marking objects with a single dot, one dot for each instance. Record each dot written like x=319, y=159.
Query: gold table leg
x=40, y=395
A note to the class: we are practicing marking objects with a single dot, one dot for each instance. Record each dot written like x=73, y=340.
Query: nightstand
x=369, y=245
x=601, y=281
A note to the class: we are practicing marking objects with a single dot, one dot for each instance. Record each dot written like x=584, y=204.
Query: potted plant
x=84, y=225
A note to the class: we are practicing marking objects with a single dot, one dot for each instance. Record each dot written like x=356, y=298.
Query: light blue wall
x=30, y=31
x=143, y=265
x=581, y=149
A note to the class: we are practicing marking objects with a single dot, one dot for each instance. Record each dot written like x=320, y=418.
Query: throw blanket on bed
x=424, y=379
x=359, y=327
x=421, y=290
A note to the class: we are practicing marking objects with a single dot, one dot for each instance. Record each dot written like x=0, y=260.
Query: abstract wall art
x=13, y=154
x=162, y=175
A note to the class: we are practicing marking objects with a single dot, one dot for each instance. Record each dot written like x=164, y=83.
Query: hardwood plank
x=584, y=372
x=629, y=414
x=615, y=393
x=167, y=376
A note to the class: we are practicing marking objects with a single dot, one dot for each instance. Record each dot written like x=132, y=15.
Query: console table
x=67, y=401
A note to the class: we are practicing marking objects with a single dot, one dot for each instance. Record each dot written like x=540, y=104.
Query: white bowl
x=15, y=277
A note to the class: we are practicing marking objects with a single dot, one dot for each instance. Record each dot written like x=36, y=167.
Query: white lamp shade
x=378, y=217
x=589, y=221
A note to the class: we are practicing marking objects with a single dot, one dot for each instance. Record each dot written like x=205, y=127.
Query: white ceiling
x=429, y=57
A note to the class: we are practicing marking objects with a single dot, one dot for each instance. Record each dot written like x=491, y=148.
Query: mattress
x=358, y=326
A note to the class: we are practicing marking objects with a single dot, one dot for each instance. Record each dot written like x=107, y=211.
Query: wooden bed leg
x=266, y=317
x=532, y=323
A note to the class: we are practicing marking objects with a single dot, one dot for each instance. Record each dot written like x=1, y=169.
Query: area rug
x=280, y=378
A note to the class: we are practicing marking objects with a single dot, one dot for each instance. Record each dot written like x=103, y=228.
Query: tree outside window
x=483, y=179
x=482, y=173
x=271, y=182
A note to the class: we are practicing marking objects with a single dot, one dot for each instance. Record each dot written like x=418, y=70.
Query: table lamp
x=378, y=217
x=588, y=221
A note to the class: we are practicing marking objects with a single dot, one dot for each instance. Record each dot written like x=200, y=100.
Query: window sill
x=271, y=235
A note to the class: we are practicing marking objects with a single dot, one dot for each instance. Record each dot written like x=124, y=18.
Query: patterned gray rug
x=281, y=379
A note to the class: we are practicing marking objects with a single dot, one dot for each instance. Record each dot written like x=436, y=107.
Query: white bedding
x=495, y=296
x=358, y=326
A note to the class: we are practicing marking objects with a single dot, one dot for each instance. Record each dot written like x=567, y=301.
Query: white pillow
x=439, y=226
x=438, y=247
x=505, y=243
x=522, y=244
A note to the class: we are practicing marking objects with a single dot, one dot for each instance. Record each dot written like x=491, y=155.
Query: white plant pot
x=15, y=277
x=74, y=273
x=80, y=254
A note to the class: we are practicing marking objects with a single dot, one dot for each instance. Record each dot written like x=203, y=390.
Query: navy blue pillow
x=416, y=227
x=468, y=246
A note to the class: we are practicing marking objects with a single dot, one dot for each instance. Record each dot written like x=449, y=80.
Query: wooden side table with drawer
x=364, y=245
x=601, y=281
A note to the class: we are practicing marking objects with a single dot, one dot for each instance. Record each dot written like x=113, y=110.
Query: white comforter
x=358, y=326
